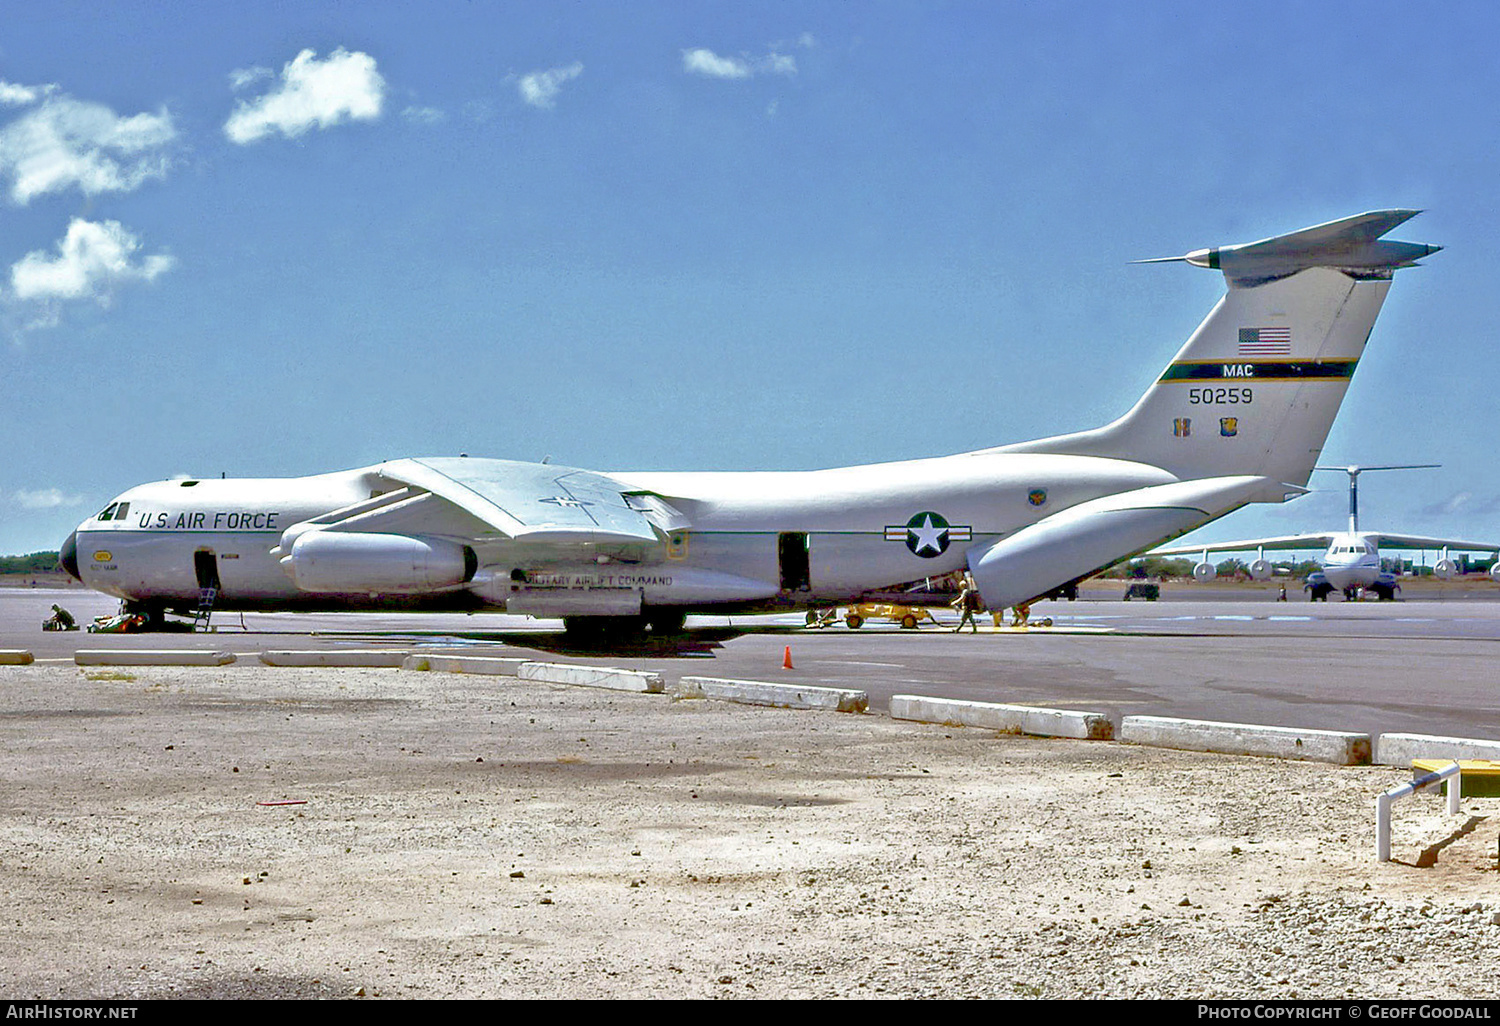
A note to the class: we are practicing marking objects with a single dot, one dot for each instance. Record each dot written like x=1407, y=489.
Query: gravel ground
x=461, y=836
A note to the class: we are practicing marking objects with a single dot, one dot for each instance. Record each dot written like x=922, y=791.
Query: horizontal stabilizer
x=1350, y=244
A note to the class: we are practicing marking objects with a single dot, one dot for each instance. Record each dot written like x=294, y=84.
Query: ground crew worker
x=1020, y=614
x=970, y=603
x=62, y=618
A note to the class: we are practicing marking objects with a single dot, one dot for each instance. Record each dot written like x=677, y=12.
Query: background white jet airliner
x=1238, y=416
x=1350, y=562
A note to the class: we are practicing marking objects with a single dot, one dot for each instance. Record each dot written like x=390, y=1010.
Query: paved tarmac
x=1419, y=666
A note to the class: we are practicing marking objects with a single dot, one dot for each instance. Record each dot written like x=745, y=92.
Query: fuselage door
x=792, y=557
x=206, y=567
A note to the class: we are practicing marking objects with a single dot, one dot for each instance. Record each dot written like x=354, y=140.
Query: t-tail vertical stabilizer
x=1255, y=389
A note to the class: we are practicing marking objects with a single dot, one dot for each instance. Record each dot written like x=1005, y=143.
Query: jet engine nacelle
x=1444, y=569
x=1261, y=570
x=1204, y=572
x=1495, y=570
x=348, y=562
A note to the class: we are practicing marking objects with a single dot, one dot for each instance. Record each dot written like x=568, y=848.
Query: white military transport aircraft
x=1350, y=560
x=1238, y=416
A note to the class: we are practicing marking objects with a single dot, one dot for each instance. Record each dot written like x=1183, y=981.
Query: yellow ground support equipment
x=1479, y=778
x=907, y=616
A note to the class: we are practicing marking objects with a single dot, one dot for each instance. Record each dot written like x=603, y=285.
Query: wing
x=481, y=500
x=1416, y=541
x=1289, y=541
x=539, y=502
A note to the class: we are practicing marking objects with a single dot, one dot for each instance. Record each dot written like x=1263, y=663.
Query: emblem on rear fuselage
x=928, y=534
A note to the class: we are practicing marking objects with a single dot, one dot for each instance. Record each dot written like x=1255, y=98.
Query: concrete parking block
x=783, y=696
x=1344, y=749
x=151, y=657
x=345, y=657
x=1402, y=749
x=593, y=676
x=492, y=666
x=1011, y=719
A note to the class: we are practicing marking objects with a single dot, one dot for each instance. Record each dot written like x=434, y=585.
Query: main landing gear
x=658, y=623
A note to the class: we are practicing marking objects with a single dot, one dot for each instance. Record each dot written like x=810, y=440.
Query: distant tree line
x=35, y=563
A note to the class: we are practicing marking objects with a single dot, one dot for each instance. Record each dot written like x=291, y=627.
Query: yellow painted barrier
x=1480, y=778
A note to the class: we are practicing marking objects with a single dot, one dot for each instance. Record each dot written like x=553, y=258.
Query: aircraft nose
x=67, y=557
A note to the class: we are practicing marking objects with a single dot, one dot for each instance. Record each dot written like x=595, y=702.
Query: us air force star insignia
x=927, y=534
x=560, y=500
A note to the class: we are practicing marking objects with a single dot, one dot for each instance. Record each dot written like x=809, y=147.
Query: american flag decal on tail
x=1265, y=342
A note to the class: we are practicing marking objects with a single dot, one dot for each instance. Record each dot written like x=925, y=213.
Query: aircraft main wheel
x=668, y=621
x=156, y=616
x=854, y=620
x=597, y=629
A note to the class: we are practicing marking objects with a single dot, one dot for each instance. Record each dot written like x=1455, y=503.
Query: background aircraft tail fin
x=1255, y=389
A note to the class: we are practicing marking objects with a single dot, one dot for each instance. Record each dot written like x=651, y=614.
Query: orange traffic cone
x=786, y=661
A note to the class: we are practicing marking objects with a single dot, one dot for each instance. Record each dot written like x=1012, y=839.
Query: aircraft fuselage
x=762, y=540
x=1351, y=561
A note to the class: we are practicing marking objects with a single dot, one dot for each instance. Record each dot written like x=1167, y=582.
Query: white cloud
x=13, y=95
x=706, y=62
x=243, y=78
x=806, y=41
x=92, y=260
x=540, y=88
x=1455, y=503
x=45, y=498
x=1461, y=504
x=702, y=61
x=66, y=142
x=780, y=64
x=424, y=115
x=311, y=93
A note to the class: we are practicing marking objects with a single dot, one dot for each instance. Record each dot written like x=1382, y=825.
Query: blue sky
x=270, y=239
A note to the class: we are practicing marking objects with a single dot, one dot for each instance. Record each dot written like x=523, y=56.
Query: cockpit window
x=123, y=511
x=109, y=511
